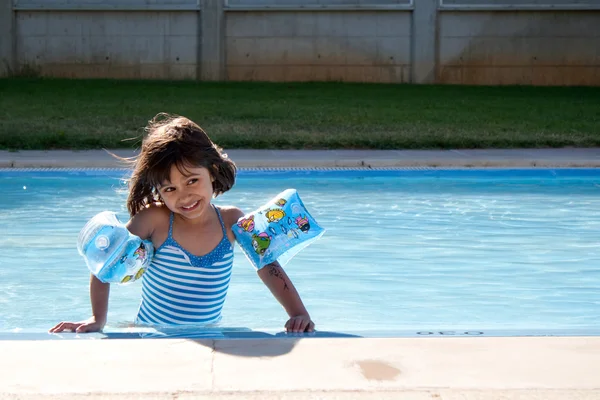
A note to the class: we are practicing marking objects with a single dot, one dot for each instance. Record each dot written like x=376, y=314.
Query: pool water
x=405, y=250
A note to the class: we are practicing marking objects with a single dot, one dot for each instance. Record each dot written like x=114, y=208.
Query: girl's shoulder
x=230, y=214
x=154, y=211
x=149, y=220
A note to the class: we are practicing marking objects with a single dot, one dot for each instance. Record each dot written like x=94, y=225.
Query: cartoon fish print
x=275, y=215
x=139, y=274
x=281, y=202
x=247, y=224
x=261, y=242
x=302, y=223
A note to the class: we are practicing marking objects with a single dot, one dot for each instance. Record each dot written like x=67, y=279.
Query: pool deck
x=514, y=158
x=412, y=368
x=452, y=368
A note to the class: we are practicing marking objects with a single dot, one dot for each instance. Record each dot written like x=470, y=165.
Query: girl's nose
x=184, y=196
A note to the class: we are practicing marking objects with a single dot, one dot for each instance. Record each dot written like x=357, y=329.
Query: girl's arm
x=140, y=225
x=99, y=293
x=99, y=298
x=275, y=278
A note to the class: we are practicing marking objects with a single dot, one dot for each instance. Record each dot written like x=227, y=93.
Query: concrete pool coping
x=509, y=158
x=448, y=368
x=454, y=368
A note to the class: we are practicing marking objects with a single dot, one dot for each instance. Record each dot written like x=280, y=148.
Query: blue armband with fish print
x=111, y=252
x=277, y=231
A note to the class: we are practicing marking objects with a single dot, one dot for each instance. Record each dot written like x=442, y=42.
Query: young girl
x=177, y=173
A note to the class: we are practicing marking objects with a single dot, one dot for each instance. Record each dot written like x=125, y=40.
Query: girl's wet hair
x=175, y=140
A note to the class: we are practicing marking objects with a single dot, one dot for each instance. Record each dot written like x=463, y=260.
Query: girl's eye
x=192, y=181
x=169, y=189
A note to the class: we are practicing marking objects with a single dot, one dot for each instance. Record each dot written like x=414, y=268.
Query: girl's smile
x=191, y=207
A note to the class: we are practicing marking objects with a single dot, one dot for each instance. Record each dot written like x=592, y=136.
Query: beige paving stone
x=91, y=366
x=303, y=395
x=401, y=363
x=248, y=158
x=292, y=368
x=530, y=394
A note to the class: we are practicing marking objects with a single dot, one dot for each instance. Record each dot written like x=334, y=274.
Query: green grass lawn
x=91, y=114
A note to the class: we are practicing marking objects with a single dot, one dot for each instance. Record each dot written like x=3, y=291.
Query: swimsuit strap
x=171, y=217
x=221, y=221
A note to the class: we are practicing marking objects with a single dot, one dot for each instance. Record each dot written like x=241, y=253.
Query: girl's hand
x=90, y=325
x=300, y=323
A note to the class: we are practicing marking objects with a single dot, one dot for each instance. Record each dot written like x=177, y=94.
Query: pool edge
x=541, y=367
x=249, y=158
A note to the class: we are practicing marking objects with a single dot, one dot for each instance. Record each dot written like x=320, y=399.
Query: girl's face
x=188, y=194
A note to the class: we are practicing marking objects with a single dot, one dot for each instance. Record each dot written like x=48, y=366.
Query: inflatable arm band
x=277, y=231
x=111, y=252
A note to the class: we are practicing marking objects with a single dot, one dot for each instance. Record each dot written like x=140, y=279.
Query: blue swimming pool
x=423, y=251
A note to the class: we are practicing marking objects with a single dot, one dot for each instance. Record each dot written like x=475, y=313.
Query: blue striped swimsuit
x=180, y=288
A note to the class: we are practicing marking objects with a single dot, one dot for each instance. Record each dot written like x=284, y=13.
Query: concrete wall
x=539, y=48
x=508, y=3
x=545, y=42
x=303, y=46
x=6, y=37
x=119, y=44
